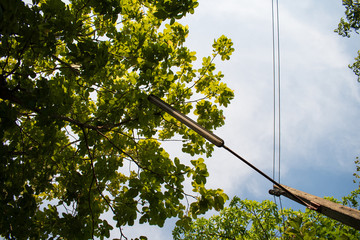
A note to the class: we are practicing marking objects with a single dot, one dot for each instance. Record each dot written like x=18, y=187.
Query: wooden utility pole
x=346, y=215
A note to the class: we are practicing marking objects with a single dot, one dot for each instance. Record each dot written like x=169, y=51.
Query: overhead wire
x=274, y=85
x=276, y=89
x=279, y=89
x=276, y=61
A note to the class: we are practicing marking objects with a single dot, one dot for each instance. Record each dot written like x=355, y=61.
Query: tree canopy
x=249, y=219
x=78, y=135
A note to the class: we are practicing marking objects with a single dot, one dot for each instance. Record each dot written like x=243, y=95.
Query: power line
x=274, y=86
x=276, y=89
x=279, y=88
x=276, y=92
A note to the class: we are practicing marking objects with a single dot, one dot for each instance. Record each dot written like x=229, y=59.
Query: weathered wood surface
x=341, y=213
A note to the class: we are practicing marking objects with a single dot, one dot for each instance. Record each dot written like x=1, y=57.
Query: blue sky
x=320, y=99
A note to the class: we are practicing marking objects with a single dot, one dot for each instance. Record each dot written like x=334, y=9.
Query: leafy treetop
x=79, y=137
x=249, y=219
x=350, y=24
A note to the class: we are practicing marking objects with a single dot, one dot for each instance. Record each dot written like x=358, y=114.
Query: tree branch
x=94, y=179
x=74, y=70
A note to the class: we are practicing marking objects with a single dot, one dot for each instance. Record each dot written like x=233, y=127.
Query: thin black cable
x=211, y=137
x=267, y=177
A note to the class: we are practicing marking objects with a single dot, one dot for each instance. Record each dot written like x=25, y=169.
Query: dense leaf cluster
x=78, y=136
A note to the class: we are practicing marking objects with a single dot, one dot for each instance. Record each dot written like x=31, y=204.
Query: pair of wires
x=276, y=90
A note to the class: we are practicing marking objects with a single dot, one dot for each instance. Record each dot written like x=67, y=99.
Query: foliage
x=353, y=199
x=351, y=24
x=249, y=219
x=78, y=136
x=242, y=219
